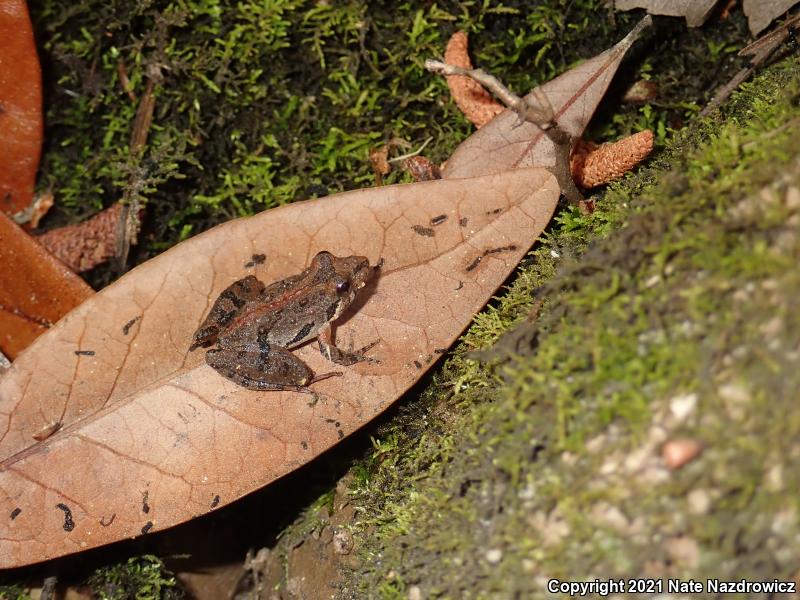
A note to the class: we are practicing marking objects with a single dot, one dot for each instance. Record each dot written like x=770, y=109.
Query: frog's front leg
x=342, y=357
x=259, y=365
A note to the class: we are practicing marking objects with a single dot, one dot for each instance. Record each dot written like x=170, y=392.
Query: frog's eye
x=342, y=287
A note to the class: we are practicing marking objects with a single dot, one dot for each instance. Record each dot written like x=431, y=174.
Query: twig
x=128, y=224
x=541, y=115
x=760, y=51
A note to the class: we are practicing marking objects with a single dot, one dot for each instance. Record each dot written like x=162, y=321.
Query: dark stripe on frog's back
x=301, y=335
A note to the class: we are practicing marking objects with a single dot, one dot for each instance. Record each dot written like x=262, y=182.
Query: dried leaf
x=151, y=418
x=505, y=144
x=761, y=13
x=20, y=107
x=695, y=11
x=36, y=290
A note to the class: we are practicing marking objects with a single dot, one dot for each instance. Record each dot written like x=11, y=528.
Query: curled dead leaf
x=20, y=107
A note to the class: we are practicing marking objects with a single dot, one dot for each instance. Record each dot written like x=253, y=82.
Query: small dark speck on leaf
x=69, y=524
x=417, y=364
x=84, y=352
x=438, y=220
x=15, y=513
x=460, y=285
x=215, y=501
x=127, y=327
x=147, y=527
x=145, y=505
x=498, y=250
x=440, y=350
x=110, y=521
x=340, y=433
x=494, y=211
x=423, y=231
x=474, y=264
x=463, y=221
x=255, y=259
x=304, y=444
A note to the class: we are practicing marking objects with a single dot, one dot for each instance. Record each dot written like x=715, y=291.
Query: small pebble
x=683, y=406
x=677, y=453
x=342, y=542
x=699, y=501
x=414, y=593
x=684, y=551
x=494, y=556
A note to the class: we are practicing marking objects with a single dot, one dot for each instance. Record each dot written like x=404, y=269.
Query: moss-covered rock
x=672, y=334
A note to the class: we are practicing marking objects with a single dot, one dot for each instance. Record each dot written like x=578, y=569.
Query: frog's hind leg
x=264, y=367
x=228, y=304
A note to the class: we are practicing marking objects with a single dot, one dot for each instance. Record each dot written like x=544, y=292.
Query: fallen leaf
x=36, y=290
x=760, y=13
x=695, y=11
x=20, y=107
x=505, y=144
x=155, y=422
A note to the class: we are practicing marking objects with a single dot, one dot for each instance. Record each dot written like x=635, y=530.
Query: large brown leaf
x=152, y=436
x=20, y=107
x=504, y=144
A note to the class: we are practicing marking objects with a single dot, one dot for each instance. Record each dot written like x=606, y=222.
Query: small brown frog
x=255, y=326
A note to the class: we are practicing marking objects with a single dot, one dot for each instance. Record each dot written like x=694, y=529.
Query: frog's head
x=346, y=275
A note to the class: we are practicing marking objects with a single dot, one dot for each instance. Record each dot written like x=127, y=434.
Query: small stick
x=541, y=115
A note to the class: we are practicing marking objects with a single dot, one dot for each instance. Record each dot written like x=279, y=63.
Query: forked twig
x=540, y=113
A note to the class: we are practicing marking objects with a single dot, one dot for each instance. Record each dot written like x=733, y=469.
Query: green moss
x=141, y=577
x=13, y=592
x=262, y=103
x=549, y=460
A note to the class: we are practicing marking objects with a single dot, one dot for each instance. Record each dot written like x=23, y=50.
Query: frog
x=254, y=326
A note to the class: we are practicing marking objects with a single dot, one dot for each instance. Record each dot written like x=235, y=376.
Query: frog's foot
x=347, y=357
